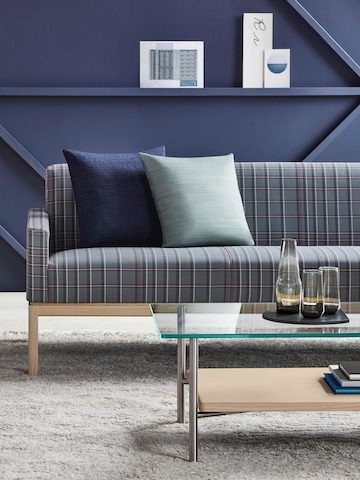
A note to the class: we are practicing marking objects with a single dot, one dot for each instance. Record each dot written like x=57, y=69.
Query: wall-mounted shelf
x=177, y=92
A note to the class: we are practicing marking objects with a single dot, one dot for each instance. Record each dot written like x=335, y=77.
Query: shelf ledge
x=177, y=92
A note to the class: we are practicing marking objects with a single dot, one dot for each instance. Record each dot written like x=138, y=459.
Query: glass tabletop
x=242, y=320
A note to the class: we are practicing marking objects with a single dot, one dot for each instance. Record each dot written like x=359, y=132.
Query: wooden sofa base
x=37, y=310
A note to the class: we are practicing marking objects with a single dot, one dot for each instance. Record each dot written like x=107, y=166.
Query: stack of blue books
x=344, y=377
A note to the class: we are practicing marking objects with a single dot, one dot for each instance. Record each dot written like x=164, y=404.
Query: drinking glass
x=331, y=289
x=312, y=305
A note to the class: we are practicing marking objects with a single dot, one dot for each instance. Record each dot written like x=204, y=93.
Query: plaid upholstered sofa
x=318, y=204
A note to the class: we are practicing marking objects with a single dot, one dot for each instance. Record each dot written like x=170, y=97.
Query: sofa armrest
x=37, y=255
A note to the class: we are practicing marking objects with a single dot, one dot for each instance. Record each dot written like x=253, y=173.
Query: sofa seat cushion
x=196, y=274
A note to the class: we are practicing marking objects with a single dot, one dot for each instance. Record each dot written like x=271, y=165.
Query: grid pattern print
x=37, y=255
x=196, y=274
x=60, y=205
x=319, y=204
x=316, y=203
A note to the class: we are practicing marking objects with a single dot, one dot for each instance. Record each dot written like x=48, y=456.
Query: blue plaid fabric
x=37, y=255
x=60, y=205
x=197, y=274
x=316, y=203
x=319, y=204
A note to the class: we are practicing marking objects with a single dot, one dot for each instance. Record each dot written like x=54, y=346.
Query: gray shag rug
x=104, y=408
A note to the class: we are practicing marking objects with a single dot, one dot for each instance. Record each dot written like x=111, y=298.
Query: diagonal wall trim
x=333, y=135
x=22, y=152
x=12, y=242
x=324, y=34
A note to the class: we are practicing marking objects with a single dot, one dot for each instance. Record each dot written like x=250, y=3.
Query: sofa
x=318, y=204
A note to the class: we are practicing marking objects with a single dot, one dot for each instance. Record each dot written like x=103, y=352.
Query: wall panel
x=96, y=43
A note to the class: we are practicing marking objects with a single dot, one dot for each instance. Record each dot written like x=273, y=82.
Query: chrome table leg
x=193, y=399
x=181, y=365
x=181, y=377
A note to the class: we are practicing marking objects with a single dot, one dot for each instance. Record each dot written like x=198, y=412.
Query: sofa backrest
x=60, y=205
x=316, y=203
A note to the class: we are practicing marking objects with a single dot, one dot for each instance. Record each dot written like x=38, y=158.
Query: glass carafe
x=288, y=284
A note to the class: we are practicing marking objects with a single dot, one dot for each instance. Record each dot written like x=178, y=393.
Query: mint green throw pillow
x=197, y=200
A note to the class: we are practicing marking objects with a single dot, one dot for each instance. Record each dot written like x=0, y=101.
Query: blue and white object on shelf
x=277, y=68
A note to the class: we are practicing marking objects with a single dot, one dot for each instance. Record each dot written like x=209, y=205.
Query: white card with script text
x=257, y=37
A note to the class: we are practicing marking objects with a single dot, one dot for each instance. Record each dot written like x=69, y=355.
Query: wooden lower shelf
x=269, y=389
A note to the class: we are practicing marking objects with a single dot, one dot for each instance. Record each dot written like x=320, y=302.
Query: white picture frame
x=167, y=64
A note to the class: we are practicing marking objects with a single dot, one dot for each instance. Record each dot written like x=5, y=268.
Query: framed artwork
x=277, y=68
x=166, y=64
x=257, y=37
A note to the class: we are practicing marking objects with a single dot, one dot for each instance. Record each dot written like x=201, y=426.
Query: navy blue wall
x=95, y=43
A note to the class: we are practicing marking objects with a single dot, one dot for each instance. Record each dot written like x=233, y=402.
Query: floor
x=13, y=317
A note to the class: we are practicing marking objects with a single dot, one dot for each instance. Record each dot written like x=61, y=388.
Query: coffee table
x=234, y=390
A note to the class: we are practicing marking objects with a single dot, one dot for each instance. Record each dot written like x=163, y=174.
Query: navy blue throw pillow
x=114, y=203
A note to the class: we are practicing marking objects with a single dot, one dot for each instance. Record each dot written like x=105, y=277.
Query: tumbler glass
x=312, y=305
x=331, y=289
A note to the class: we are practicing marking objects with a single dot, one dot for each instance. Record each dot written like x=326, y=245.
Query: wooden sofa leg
x=33, y=345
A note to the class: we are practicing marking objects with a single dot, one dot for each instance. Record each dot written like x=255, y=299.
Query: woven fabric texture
x=319, y=204
x=316, y=203
x=197, y=274
x=198, y=200
x=37, y=255
x=113, y=199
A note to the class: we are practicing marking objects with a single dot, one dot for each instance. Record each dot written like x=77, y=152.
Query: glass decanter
x=288, y=284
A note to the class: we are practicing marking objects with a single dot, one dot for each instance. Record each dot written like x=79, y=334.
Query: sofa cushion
x=196, y=274
x=198, y=200
x=113, y=199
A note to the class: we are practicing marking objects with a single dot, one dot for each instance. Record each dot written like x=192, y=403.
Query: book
x=337, y=388
x=341, y=378
x=351, y=369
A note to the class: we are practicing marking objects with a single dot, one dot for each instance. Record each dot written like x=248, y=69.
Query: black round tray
x=298, y=318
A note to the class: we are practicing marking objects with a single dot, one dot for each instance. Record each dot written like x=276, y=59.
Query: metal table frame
x=188, y=372
x=192, y=381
